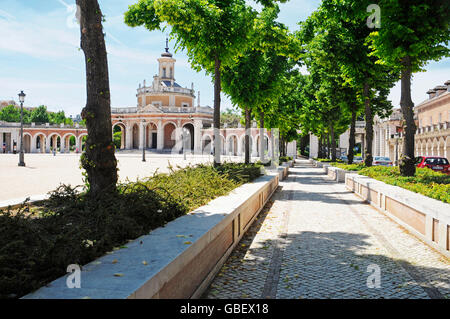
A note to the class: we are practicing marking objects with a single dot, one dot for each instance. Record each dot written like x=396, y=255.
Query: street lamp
x=21, y=155
x=396, y=136
x=143, y=146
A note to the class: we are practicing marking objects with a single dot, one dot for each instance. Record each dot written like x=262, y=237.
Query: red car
x=438, y=164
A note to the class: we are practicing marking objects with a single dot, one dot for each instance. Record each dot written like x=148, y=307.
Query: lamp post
x=144, y=140
x=21, y=155
x=397, y=136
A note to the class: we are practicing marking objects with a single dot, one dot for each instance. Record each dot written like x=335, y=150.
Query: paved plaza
x=45, y=172
x=315, y=239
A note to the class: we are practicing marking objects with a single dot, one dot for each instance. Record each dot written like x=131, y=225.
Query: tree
x=98, y=159
x=231, y=117
x=254, y=80
x=213, y=32
x=10, y=114
x=40, y=115
x=412, y=33
x=57, y=118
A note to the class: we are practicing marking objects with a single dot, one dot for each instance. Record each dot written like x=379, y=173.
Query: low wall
x=337, y=174
x=177, y=261
x=427, y=218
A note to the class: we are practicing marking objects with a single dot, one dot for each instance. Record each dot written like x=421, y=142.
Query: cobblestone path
x=315, y=239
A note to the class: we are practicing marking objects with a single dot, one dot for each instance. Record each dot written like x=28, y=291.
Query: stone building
x=166, y=119
x=433, y=129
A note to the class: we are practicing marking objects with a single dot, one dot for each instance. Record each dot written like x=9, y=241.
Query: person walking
x=4, y=147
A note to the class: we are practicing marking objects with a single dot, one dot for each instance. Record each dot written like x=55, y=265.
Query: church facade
x=168, y=118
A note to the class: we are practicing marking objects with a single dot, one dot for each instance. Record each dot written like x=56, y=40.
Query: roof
x=169, y=84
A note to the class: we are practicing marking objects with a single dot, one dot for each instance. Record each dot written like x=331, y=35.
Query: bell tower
x=167, y=65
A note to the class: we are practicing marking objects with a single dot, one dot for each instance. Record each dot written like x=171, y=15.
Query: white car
x=381, y=161
x=357, y=160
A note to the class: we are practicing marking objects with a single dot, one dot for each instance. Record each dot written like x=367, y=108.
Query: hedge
x=37, y=245
x=426, y=182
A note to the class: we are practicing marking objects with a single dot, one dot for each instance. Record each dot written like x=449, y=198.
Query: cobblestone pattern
x=332, y=239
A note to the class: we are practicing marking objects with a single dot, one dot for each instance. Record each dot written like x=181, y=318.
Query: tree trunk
x=328, y=145
x=369, y=126
x=333, y=143
x=98, y=160
x=351, y=142
x=262, y=139
x=217, y=90
x=248, y=120
x=407, y=162
x=320, y=153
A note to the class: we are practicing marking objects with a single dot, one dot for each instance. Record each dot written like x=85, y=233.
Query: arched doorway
x=266, y=145
x=188, y=137
x=82, y=142
x=27, y=143
x=119, y=136
x=232, y=145
x=40, y=143
x=169, y=136
x=152, y=136
x=69, y=142
x=135, y=136
x=55, y=142
x=243, y=145
x=207, y=145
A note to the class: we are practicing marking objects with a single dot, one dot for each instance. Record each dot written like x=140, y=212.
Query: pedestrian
x=54, y=151
x=4, y=147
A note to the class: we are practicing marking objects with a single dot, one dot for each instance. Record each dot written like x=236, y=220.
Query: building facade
x=433, y=129
x=166, y=119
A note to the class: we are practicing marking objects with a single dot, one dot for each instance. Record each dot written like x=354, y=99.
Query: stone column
x=129, y=137
x=63, y=145
x=47, y=145
x=262, y=143
x=142, y=135
x=313, y=146
x=254, y=152
x=160, y=141
x=198, y=125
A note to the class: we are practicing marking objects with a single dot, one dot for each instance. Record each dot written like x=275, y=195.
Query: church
x=168, y=118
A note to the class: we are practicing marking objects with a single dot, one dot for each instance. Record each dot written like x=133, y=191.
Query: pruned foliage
x=37, y=245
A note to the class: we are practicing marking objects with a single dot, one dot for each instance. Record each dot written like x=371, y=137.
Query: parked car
x=438, y=164
x=357, y=160
x=344, y=158
x=381, y=161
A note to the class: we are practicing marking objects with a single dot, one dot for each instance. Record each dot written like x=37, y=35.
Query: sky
x=40, y=54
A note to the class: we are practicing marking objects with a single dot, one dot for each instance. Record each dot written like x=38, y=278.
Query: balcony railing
x=165, y=109
x=181, y=90
x=124, y=110
x=434, y=127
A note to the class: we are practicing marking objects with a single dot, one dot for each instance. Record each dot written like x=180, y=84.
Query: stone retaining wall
x=176, y=261
x=426, y=218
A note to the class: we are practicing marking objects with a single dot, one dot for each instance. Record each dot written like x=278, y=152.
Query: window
x=440, y=117
x=171, y=73
x=185, y=105
x=164, y=72
x=436, y=161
